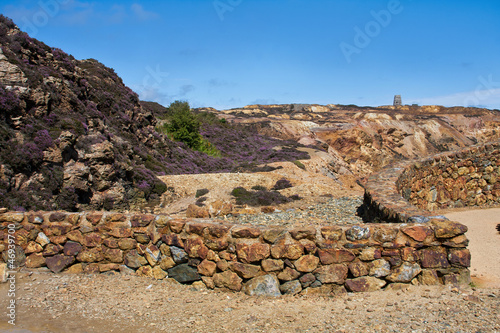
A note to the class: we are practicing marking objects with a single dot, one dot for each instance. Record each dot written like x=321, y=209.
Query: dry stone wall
x=409, y=192
x=256, y=260
x=469, y=177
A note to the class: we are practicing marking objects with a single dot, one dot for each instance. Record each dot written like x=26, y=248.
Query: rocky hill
x=362, y=140
x=74, y=137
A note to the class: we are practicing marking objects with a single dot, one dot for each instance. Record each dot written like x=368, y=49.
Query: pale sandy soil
x=114, y=303
x=312, y=186
x=484, y=244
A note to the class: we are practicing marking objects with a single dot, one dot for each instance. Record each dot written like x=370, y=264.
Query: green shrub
x=239, y=192
x=183, y=125
x=299, y=164
x=201, y=192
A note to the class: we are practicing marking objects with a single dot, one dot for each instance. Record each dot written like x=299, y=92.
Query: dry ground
x=115, y=303
x=65, y=303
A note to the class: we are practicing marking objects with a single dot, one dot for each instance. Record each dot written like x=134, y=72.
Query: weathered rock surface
x=266, y=285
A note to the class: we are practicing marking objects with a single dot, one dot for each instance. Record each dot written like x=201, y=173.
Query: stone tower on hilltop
x=397, y=100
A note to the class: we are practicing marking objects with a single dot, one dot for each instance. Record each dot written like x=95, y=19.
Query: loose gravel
x=333, y=211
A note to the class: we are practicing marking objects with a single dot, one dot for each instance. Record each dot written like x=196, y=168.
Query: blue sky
x=231, y=53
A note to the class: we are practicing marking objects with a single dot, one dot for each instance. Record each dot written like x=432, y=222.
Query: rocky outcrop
x=73, y=135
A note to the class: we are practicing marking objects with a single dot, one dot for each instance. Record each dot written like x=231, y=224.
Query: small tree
x=183, y=125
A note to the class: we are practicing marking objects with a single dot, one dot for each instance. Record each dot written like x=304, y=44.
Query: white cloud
x=142, y=14
x=489, y=98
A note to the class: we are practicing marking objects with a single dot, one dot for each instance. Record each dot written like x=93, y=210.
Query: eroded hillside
x=363, y=139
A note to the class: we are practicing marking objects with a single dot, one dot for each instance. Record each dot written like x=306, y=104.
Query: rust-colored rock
x=167, y=263
x=245, y=232
x=306, y=264
x=12, y=217
x=33, y=247
x=121, y=232
x=94, y=218
x=108, y=267
x=273, y=234
x=417, y=232
x=370, y=254
x=51, y=250
x=207, y=268
x=384, y=234
x=217, y=231
x=447, y=229
x=409, y=254
x=173, y=240
x=245, y=271
x=57, y=217
x=272, y=265
x=57, y=229
x=308, y=245
x=303, y=233
x=195, y=248
x=229, y=280
x=332, y=233
x=286, y=250
x=112, y=243
x=116, y=217
x=35, y=260
x=252, y=253
x=332, y=273
x=217, y=244
x=91, y=269
x=194, y=211
x=196, y=228
x=288, y=274
x=429, y=277
x=459, y=241
x=90, y=255
x=113, y=255
x=146, y=271
x=365, y=284
x=92, y=240
x=435, y=257
x=358, y=268
x=72, y=248
x=75, y=269
x=127, y=243
x=459, y=257
x=59, y=262
x=335, y=256
x=176, y=225
x=142, y=220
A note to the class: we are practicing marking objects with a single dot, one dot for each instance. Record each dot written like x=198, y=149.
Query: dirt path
x=484, y=244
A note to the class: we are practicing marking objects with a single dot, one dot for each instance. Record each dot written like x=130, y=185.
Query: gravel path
x=333, y=211
x=115, y=303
